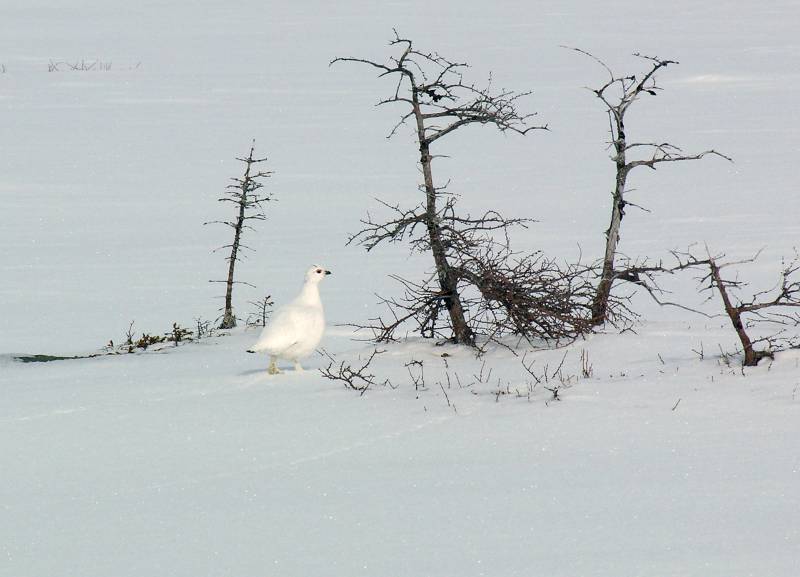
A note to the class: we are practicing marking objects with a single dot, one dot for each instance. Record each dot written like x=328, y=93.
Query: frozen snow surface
x=197, y=462
x=659, y=461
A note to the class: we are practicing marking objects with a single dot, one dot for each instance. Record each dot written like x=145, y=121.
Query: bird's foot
x=273, y=368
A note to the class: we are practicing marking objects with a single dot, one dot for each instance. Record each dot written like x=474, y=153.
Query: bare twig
x=353, y=377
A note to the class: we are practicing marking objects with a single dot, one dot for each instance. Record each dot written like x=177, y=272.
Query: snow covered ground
x=194, y=462
x=198, y=463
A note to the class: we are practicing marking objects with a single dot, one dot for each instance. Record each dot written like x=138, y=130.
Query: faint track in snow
x=366, y=443
x=291, y=466
x=39, y=416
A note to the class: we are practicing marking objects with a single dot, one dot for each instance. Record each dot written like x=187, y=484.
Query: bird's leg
x=273, y=367
x=297, y=366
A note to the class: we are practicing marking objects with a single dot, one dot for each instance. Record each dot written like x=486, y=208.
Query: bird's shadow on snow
x=252, y=372
x=284, y=371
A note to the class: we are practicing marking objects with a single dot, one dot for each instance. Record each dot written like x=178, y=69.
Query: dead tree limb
x=353, y=377
x=774, y=307
x=645, y=274
x=527, y=295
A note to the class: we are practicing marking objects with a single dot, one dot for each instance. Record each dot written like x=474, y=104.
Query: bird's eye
x=319, y=270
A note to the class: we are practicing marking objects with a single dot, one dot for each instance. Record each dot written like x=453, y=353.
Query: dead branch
x=773, y=307
x=356, y=378
x=646, y=275
x=526, y=295
x=261, y=310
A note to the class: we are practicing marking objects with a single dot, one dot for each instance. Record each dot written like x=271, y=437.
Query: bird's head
x=316, y=273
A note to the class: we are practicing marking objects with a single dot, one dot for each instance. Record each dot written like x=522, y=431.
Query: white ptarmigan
x=296, y=328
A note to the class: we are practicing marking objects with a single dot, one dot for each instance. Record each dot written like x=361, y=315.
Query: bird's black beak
x=328, y=272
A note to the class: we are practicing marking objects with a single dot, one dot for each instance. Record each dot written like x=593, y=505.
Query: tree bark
x=600, y=302
x=751, y=356
x=228, y=318
x=447, y=280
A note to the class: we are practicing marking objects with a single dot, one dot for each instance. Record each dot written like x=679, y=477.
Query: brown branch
x=353, y=377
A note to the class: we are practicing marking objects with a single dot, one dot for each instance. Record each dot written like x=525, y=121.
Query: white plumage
x=294, y=330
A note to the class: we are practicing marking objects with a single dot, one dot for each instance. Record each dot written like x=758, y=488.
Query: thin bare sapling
x=244, y=194
x=617, y=95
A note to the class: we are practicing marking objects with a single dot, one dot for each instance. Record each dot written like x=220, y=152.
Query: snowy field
x=657, y=462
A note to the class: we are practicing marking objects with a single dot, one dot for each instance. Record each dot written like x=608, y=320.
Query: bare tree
x=772, y=307
x=438, y=101
x=617, y=95
x=243, y=193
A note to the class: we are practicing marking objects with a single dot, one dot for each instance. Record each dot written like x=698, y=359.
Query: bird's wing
x=284, y=329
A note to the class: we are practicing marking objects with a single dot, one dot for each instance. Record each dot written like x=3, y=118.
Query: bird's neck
x=309, y=296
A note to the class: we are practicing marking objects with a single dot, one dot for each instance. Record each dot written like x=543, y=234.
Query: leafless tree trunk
x=751, y=357
x=244, y=194
x=763, y=307
x=617, y=95
x=432, y=89
x=772, y=308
